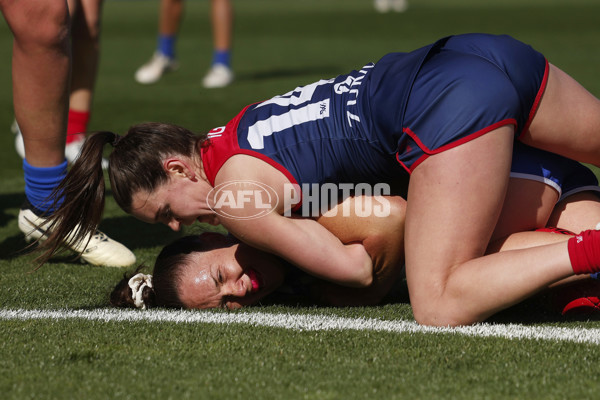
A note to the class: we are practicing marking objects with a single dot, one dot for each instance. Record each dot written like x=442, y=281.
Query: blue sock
x=166, y=45
x=222, y=57
x=39, y=184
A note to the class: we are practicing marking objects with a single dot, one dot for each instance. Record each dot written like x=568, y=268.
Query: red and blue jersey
x=372, y=124
x=322, y=132
x=314, y=134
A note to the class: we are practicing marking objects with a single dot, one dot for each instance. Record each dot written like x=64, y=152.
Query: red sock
x=77, y=126
x=584, y=252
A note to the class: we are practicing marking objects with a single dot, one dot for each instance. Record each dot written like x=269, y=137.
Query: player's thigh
x=454, y=200
x=528, y=206
x=567, y=121
x=578, y=212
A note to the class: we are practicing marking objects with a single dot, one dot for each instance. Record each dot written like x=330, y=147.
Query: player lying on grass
x=217, y=271
x=448, y=113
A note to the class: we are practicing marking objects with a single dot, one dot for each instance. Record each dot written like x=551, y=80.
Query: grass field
x=60, y=340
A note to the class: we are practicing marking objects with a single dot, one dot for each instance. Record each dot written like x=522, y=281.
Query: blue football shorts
x=566, y=176
x=467, y=86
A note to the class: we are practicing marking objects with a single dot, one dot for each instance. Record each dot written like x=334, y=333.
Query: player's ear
x=178, y=167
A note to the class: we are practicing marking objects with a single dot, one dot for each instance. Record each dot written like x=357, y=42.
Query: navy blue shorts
x=566, y=176
x=467, y=86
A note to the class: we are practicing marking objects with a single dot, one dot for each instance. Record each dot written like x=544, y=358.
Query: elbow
x=363, y=279
x=366, y=267
x=358, y=281
x=366, y=280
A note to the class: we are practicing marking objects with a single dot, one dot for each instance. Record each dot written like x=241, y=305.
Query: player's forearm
x=308, y=246
x=325, y=257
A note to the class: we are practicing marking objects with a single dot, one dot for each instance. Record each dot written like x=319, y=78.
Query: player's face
x=177, y=202
x=230, y=277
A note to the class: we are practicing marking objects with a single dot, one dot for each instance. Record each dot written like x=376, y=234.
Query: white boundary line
x=303, y=322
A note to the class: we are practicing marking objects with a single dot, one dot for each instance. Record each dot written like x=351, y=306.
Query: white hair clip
x=137, y=283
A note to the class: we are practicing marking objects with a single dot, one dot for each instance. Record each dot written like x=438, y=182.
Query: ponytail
x=83, y=193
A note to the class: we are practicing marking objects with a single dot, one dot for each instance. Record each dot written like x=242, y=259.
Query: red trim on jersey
x=224, y=145
x=536, y=103
x=428, y=152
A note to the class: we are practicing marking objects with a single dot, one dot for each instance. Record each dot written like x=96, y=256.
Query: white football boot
x=218, y=76
x=153, y=70
x=98, y=250
x=384, y=6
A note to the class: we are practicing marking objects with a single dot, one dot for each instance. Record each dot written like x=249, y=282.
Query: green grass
x=138, y=360
x=278, y=44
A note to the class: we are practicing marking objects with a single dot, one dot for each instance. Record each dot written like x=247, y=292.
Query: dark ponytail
x=83, y=194
x=135, y=164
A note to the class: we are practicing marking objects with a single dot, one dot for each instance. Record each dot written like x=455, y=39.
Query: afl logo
x=242, y=199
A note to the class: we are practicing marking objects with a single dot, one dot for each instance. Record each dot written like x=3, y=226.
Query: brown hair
x=135, y=164
x=168, y=271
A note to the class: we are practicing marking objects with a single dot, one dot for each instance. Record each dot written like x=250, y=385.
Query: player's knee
x=51, y=23
x=440, y=314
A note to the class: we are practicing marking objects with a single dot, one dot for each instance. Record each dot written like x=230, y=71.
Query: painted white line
x=310, y=323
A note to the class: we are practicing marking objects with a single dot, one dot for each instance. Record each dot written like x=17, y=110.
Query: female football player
x=212, y=270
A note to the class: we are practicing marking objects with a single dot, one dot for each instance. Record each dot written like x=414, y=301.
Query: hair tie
x=116, y=140
x=137, y=283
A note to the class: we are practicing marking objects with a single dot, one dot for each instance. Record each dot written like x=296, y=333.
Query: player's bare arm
x=304, y=243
